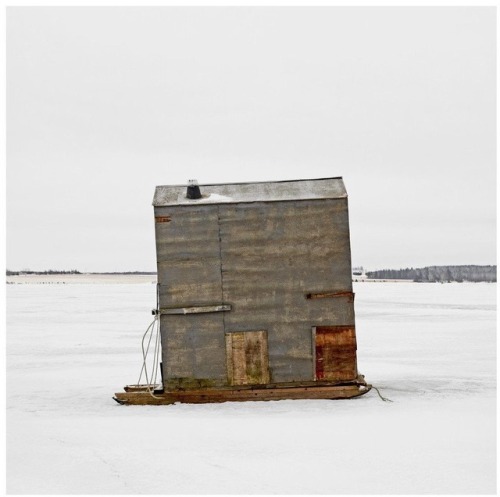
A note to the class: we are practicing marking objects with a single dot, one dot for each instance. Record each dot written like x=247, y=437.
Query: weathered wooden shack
x=255, y=293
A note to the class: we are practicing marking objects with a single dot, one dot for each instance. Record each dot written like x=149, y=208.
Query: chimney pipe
x=193, y=190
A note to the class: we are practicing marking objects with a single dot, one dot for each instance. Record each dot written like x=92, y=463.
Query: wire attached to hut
x=152, y=329
x=147, y=350
x=385, y=399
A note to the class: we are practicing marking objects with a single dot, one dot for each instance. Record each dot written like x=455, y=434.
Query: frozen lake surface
x=429, y=347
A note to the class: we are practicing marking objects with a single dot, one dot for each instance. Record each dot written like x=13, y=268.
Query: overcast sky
x=105, y=103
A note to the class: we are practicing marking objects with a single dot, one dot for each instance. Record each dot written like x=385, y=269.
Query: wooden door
x=247, y=358
x=335, y=353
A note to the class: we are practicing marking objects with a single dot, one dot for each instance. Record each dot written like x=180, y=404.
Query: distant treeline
x=49, y=271
x=72, y=271
x=438, y=273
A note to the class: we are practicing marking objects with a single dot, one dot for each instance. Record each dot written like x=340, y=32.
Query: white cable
x=150, y=385
x=147, y=350
x=154, y=369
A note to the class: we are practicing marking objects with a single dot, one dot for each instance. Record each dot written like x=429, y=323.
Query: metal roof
x=271, y=191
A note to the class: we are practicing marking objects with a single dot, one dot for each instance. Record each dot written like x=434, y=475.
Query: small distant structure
x=255, y=297
x=358, y=273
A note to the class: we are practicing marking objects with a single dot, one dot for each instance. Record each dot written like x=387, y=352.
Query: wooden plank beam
x=195, y=309
x=241, y=395
x=330, y=295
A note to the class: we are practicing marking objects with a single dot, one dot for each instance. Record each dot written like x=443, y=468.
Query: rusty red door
x=335, y=353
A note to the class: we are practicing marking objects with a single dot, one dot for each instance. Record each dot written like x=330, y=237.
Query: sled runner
x=143, y=394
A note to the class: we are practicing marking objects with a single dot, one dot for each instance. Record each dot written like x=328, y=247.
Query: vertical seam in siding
x=220, y=265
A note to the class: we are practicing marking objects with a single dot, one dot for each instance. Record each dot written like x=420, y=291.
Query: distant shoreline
x=125, y=279
x=82, y=278
x=53, y=272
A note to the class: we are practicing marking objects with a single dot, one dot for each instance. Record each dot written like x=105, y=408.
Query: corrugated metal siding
x=273, y=254
x=189, y=273
x=194, y=348
x=188, y=255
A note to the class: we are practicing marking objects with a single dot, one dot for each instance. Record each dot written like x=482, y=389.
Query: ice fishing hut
x=255, y=295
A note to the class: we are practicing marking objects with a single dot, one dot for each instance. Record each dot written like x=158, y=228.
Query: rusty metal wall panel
x=335, y=353
x=272, y=256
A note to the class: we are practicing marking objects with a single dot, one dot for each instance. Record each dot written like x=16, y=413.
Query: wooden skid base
x=139, y=388
x=240, y=395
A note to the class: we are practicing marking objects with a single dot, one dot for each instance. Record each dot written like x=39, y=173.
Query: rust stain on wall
x=163, y=219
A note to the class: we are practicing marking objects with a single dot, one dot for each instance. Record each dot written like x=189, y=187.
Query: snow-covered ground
x=81, y=278
x=429, y=347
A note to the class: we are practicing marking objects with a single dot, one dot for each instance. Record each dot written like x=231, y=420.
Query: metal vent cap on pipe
x=193, y=190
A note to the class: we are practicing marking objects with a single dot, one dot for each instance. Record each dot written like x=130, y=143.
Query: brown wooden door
x=247, y=358
x=335, y=353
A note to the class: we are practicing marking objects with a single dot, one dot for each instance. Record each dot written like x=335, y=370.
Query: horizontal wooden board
x=240, y=395
x=195, y=310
